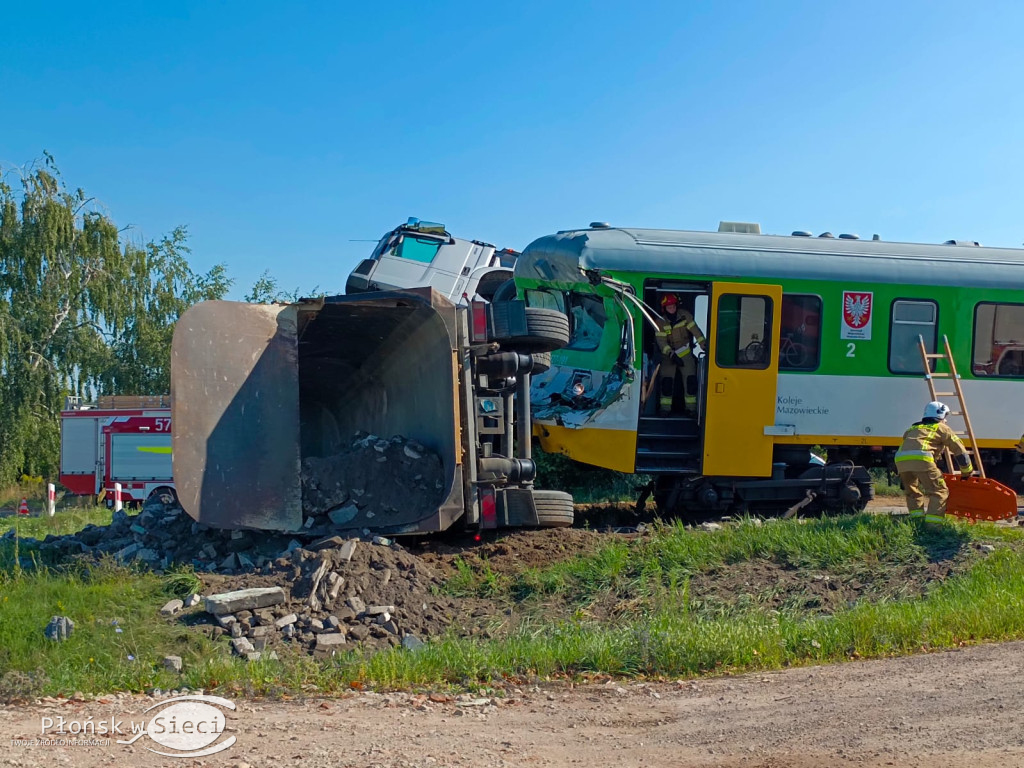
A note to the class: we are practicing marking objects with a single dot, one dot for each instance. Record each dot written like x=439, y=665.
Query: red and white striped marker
x=51, y=499
x=23, y=507
x=118, y=506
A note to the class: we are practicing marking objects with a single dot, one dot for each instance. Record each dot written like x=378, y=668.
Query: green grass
x=65, y=521
x=666, y=636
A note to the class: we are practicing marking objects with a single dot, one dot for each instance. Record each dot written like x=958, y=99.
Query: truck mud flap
x=980, y=498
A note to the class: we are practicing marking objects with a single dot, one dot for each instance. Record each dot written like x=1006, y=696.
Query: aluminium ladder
x=930, y=375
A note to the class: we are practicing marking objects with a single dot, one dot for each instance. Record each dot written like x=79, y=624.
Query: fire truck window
x=586, y=321
x=998, y=340
x=911, y=319
x=743, y=334
x=422, y=249
x=800, y=336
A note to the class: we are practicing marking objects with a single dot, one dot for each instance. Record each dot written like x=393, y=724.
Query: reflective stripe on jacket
x=677, y=335
x=922, y=441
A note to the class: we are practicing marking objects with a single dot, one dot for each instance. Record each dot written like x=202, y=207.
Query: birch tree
x=82, y=312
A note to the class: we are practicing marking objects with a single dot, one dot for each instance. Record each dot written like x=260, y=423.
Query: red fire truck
x=122, y=439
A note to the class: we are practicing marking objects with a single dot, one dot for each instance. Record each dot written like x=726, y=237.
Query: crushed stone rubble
x=325, y=587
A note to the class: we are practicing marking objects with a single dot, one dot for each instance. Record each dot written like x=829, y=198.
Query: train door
x=742, y=376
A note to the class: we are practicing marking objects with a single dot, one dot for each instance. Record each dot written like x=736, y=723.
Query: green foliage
x=266, y=290
x=81, y=312
x=586, y=484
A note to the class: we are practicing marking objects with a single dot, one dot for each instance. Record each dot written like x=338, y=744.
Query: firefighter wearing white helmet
x=915, y=461
x=676, y=338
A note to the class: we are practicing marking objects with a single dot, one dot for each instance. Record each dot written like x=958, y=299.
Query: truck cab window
x=422, y=249
x=587, y=317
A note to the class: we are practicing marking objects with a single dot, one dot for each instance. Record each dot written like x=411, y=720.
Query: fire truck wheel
x=162, y=496
x=554, y=509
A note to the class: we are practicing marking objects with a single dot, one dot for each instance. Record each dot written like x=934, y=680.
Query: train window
x=998, y=340
x=911, y=319
x=743, y=334
x=586, y=321
x=800, y=336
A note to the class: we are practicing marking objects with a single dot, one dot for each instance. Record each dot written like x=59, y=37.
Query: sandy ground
x=937, y=710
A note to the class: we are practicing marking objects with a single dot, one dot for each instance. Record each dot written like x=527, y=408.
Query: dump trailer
x=260, y=391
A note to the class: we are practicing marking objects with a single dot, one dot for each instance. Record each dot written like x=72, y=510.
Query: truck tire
x=541, y=362
x=505, y=292
x=547, y=330
x=489, y=284
x=554, y=509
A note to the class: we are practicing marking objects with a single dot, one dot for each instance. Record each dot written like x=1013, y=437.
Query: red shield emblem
x=856, y=309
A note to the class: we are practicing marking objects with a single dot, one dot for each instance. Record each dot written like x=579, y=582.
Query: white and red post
x=51, y=499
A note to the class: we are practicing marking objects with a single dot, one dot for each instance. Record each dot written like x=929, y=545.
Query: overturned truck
x=393, y=412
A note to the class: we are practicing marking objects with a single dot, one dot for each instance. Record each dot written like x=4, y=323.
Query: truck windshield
x=422, y=249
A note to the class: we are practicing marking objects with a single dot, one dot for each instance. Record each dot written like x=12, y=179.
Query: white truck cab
x=423, y=254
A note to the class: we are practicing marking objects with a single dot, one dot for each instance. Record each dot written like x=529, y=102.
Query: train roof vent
x=600, y=225
x=847, y=236
x=962, y=242
x=826, y=234
x=801, y=233
x=743, y=227
x=875, y=237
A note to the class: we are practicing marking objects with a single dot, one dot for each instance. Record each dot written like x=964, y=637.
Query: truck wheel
x=541, y=362
x=554, y=509
x=547, y=330
x=505, y=292
x=489, y=285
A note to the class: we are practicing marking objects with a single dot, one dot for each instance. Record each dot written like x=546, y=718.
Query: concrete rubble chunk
x=242, y=645
x=284, y=621
x=59, y=628
x=192, y=600
x=171, y=607
x=343, y=514
x=172, y=663
x=383, y=618
x=229, y=563
x=226, y=620
x=390, y=626
x=244, y=599
x=356, y=604
x=346, y=550
x=376, y=610
x=328, y=543
x=329, y=641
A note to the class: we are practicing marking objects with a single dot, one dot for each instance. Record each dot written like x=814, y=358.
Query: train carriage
x=812, y=343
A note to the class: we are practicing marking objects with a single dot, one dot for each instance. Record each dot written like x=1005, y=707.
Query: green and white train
x=811, y=341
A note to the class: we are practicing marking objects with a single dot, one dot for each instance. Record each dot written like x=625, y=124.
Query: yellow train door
x=742, y=376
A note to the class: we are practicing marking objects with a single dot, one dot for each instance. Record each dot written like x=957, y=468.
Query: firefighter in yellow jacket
x=915, y=461
x=676, y=338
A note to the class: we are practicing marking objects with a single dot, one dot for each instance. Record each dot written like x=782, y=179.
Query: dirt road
x=940, y=710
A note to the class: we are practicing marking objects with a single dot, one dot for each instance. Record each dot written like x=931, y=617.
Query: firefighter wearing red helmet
x=676, y=339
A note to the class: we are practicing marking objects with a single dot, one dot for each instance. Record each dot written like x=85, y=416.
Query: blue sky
x=283, y=133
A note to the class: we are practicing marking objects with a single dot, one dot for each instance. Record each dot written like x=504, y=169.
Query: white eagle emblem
x=857, y=308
